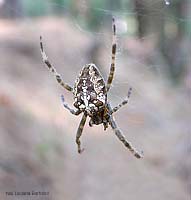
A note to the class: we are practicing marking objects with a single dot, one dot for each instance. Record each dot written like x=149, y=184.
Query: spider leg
x=112, y=68
x=74, y=112
x=79, y=132
x=52, y=69
x=122, y=138
x=124, y=102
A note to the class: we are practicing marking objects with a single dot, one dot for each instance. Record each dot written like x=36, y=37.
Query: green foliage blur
x=89, y=13
x=34, y=8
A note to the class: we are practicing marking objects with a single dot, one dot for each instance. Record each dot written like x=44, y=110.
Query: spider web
x=138, y=69
x=126, y=28
x=149, y=79
x=124, y=18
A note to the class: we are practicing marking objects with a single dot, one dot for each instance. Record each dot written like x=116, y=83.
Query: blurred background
x=37, y=135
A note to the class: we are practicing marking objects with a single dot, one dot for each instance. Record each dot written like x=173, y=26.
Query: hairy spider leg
x=124, y=102
x=122, y=138
x=74, y=112
x=52, y=69
x=114, y=46
x=79, y=132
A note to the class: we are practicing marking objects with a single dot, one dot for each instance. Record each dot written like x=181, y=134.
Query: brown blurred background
x=37, y=135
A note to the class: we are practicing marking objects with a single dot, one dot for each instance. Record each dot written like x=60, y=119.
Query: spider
x=90, y=96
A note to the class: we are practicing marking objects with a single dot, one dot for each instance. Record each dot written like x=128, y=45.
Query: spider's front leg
x=74, y=112
x=114, y=46
x=122, y=138
x=124, y=102
x=79, y=132
x=52, y=69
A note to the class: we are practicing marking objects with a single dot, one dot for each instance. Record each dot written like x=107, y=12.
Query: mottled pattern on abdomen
x=89, y=88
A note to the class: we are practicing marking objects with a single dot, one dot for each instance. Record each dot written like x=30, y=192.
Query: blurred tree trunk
x=177, y=48
x=11, y=9
x=141, y=15
x=153, y=21
x=149, y=18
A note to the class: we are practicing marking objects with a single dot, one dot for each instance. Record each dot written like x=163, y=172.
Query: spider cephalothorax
x=90, y=96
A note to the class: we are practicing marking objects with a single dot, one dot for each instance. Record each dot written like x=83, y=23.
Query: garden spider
x=90, y=96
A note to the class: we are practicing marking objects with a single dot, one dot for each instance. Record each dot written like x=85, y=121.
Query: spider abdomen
x=90, y=90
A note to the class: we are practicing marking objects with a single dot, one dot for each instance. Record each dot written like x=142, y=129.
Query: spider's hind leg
x=52, y=69
x=122, y=138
